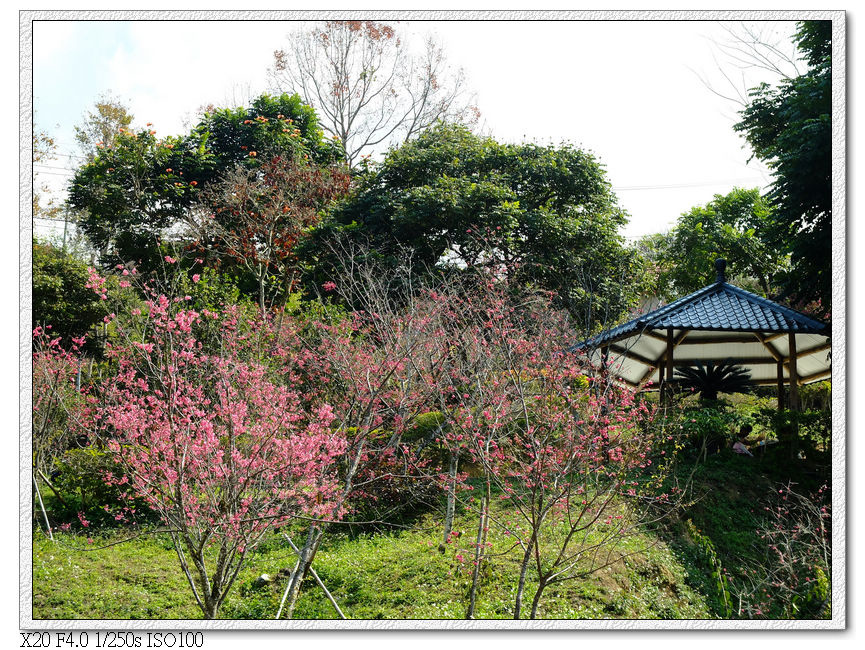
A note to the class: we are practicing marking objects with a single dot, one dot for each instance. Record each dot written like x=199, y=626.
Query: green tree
x=102, y=125
x=271, y=125
x=452, y=199
x=60, y=298
x=789, y=127
x=140, y=190
x=736, y=227
x=133, y=192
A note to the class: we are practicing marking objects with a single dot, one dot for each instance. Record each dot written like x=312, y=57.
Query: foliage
x=734, y=227
x=272, y=125
x=102, y=125
x=254, y=218
x=79, y=474
x=367, y=86
x=807, y=433
x=140, y=189
x=709, y=427
x=792, y=581
x=453, y=200
x=134, y=191
x=789, y=127
x=710, y=558
x=711, y=378
x=60, y=298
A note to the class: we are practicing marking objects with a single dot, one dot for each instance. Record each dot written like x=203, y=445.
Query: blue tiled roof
x=719, y=307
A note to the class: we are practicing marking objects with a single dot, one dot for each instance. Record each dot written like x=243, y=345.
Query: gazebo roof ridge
x=764, y=315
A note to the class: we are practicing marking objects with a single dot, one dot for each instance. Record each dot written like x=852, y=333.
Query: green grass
x=385, y=575
x=135, y=580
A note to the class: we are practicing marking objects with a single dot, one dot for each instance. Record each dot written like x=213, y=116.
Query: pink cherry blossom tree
x=222, y=445
x=366, y=367
x=573, y=453
x=58, y=406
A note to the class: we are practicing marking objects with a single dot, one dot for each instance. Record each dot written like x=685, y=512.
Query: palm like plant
x=709, y=379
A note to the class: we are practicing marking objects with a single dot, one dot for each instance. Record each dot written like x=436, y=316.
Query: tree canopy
x=60, y=296
x=142, y=188
x=734, y=227
x=789, y=127
x=102, y=125
x=452, y=199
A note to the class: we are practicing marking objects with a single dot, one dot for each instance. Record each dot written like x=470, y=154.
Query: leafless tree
x=750, y=53
x=368, y=87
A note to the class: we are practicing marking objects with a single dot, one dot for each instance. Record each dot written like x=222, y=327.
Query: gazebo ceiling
x=718, y=322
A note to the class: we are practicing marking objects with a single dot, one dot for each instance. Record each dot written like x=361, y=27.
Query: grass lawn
x=385, y=575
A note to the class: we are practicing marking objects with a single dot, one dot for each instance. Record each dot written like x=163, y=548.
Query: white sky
x=628, y=91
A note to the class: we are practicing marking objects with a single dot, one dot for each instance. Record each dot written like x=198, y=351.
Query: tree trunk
x=524, y=568
x=537, y=599
x=482, y=525
x=319, y=581
x=261, y=297
x=57, y=494
x=301, y=570
x=451, y=504
x=211, y=607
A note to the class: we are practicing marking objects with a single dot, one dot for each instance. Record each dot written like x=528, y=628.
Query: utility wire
x=678, y=185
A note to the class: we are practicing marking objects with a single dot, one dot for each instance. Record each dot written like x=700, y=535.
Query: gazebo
x=720, y=322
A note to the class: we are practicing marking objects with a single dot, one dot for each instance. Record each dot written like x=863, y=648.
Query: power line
x=682, y=185
x=41, y=166
x=66, y=174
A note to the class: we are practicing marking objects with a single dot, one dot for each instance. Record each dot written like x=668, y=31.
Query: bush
x=60, y=297
x=709, y=428
x=80, y=477
x=815, y=427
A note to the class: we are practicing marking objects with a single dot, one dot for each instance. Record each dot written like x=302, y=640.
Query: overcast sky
x=631, y=92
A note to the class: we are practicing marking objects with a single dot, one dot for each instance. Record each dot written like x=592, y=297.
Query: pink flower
x=170, y=259
x=196, y=277
x=329, y=285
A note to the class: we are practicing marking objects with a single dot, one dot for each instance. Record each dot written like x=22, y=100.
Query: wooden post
x=794, y=375
x=780, y=385
x=794, y=397
x=668, y=384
